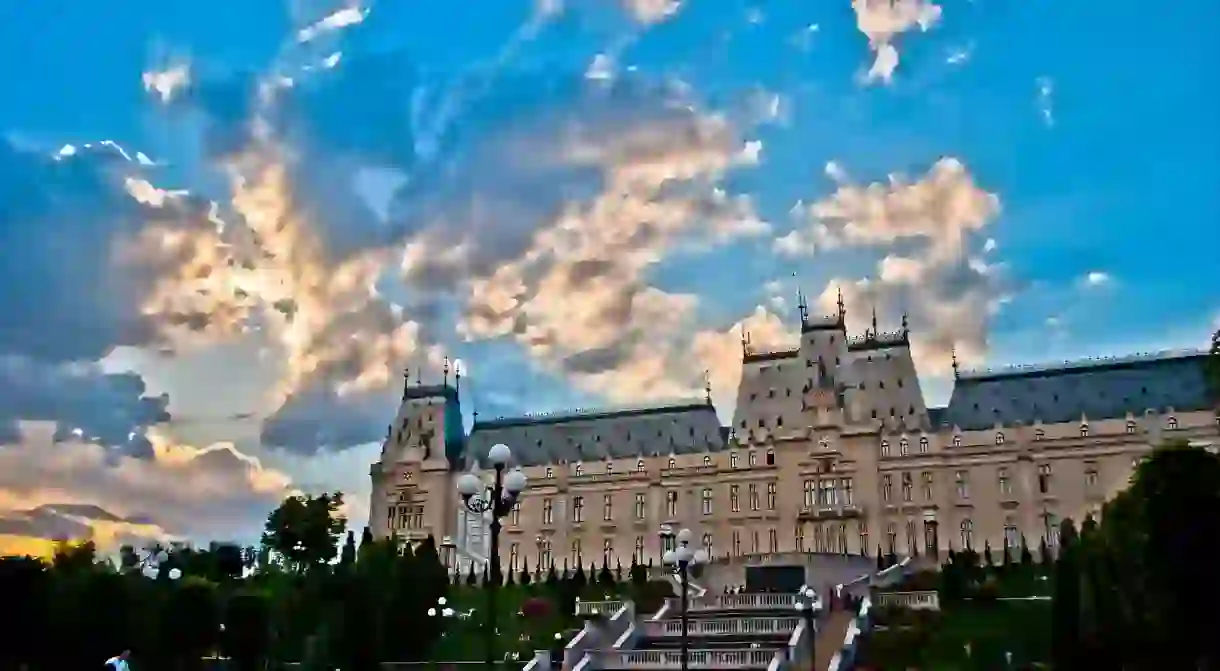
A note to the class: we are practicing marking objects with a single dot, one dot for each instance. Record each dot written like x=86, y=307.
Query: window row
x=578, y=469
x=961, y=479
x=755, y=499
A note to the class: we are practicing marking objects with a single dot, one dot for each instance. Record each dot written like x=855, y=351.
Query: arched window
x=885, y=448
x=923, y=444
x=1084, y=429
x=673, y=463
x=1172, y=423
x=957, y=441
x=639, y=466
x=707, y=460
x=578, y=470
x=904, y=447
x=609, y=467
x=1131, y=427
x=999, y=437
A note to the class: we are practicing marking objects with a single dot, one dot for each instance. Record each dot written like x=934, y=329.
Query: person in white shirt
x=119, y=663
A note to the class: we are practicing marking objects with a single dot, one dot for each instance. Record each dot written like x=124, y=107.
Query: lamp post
x=808, y=604
x=493, y=502
x=679, y=561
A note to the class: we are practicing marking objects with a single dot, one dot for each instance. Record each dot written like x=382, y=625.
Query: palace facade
x=832, y=449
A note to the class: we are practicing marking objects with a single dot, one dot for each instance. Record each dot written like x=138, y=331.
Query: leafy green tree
x=191, y=621
x=347, y=556
x=1027, y=558
x=27, y=583
x=246, y=638
x=1066, y=604
x=304, y=530
x=637, y=573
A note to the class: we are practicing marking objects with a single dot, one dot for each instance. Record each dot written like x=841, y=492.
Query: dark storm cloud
x=65, y=300
x=319, y=419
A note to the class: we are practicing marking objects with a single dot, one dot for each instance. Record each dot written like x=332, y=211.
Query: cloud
x=882, y=21
x=1045, y=100
x=927, y=229
x=1096, y=278
x=217, y=492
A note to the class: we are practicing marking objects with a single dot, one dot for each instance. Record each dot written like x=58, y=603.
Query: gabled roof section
x=601, y=433
x=1094, y=388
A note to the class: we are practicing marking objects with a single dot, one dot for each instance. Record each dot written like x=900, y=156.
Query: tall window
x=607, y=507
x=732, y=460
x=576, y=557
x=824, y=493
x=1084, y=430
x=544, y=554
x=707, y=460
x=1131, y=426
x=1003, y=481
x=1044, y=478
x=847, y=496
x=963, y=484
x=819, y=540
x=770, y=496
x=907, y=487
x=923, y=445
x=752, y=492
x=912, y=537
x=1050, y=528
x=514, y=552
x=1090, y=477
x=706, y=501
x=891, y=537
x=752, y=458
x=671, y=503
x=734, y=498
x=548, y=511
x=578, y=509
x=707, y=544
x=753, y=542
x=811, y=493
x=640, y=506
x=639, y=549
x=832, y=492
x=904, y=447
x=885, y=448
x=609, y=467
x=887, y=487
x=736, y=543
x=967, y=527
x=926, y=476
x=578, y=470
x=772, y=541
x=800, y=537
x=673, y=463
x=608, y=551
x=957, y=441
x=514, y=517
x=1012, y=537
x=862, y=532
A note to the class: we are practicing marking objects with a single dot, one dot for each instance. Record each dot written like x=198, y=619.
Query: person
x=119, y=663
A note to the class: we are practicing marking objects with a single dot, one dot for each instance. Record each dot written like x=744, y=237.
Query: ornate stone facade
x=831, y=450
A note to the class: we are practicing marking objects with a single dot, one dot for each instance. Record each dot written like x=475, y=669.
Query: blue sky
x=581, y=201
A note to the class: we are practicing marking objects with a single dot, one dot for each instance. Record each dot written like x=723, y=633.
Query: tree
x=525, y=577
x=471, y=578
x=347, y=557
x=987, y=553
x=192, y=618
x=1026, y=557
x=1212, y=369
x=486, y=577
x=880, y=560
x=579, y=580
x=246, y=639
x=1065, y=614
x=618, y=571
x=1044, y=553
x=637, y=573
x=304, y=530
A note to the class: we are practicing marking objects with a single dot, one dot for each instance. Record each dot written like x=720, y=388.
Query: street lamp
x=493, y=502
x=808, y=604
x=679, y=561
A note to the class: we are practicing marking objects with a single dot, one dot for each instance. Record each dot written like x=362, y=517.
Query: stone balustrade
x=606, y=608
x=737, y=626
x=922, y=600
x=751, y=601
x=698, y=659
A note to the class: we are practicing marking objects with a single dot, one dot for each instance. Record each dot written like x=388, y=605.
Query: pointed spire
x=875, y=320
x=406, y=382
x=457, y=376
x=745, y=341
x=906, y=325
x=707, y=386
x=801, y=307
x=842, y=308
x=956, y=370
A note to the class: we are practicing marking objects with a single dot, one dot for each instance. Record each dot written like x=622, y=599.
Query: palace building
x=832, y=449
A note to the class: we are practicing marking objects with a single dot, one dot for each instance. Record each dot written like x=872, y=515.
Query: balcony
x=734, y=627
x=923, y=600
x=822, y=513
x=738, y=602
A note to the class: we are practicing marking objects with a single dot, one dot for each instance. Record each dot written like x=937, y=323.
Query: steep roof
x=1095, y=388
x=597, y=434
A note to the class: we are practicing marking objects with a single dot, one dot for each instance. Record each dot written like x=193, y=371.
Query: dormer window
x=770, y=457
x=752, y=458
x=733, y=460
x=957, y=441
x=1172, y=423
x=1131, y=427
x=1084, y=429
x=904, y=447
x=550, y=472
x=999, y=437
x=639, y=466
x=885, y=448
x=673, y=463
x=609, y=468
x=1039, y=434
x=923, y=445
x=577, y=470
x=707, y=460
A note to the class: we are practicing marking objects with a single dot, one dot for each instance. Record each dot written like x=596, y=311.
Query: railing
x=600, y=633
x=749, y=601
x=922, y=600
x=737, y=626
x=892, y=575
x=697, y=659
x=606, y=608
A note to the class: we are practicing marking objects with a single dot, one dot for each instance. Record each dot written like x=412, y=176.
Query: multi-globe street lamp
x=679, y=561
x=808, y=604
x=493, y=502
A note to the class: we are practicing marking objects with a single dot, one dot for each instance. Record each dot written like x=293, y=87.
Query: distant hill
x=36, y=531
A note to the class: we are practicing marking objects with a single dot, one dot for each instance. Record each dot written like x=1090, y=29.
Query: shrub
x=650, y=596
